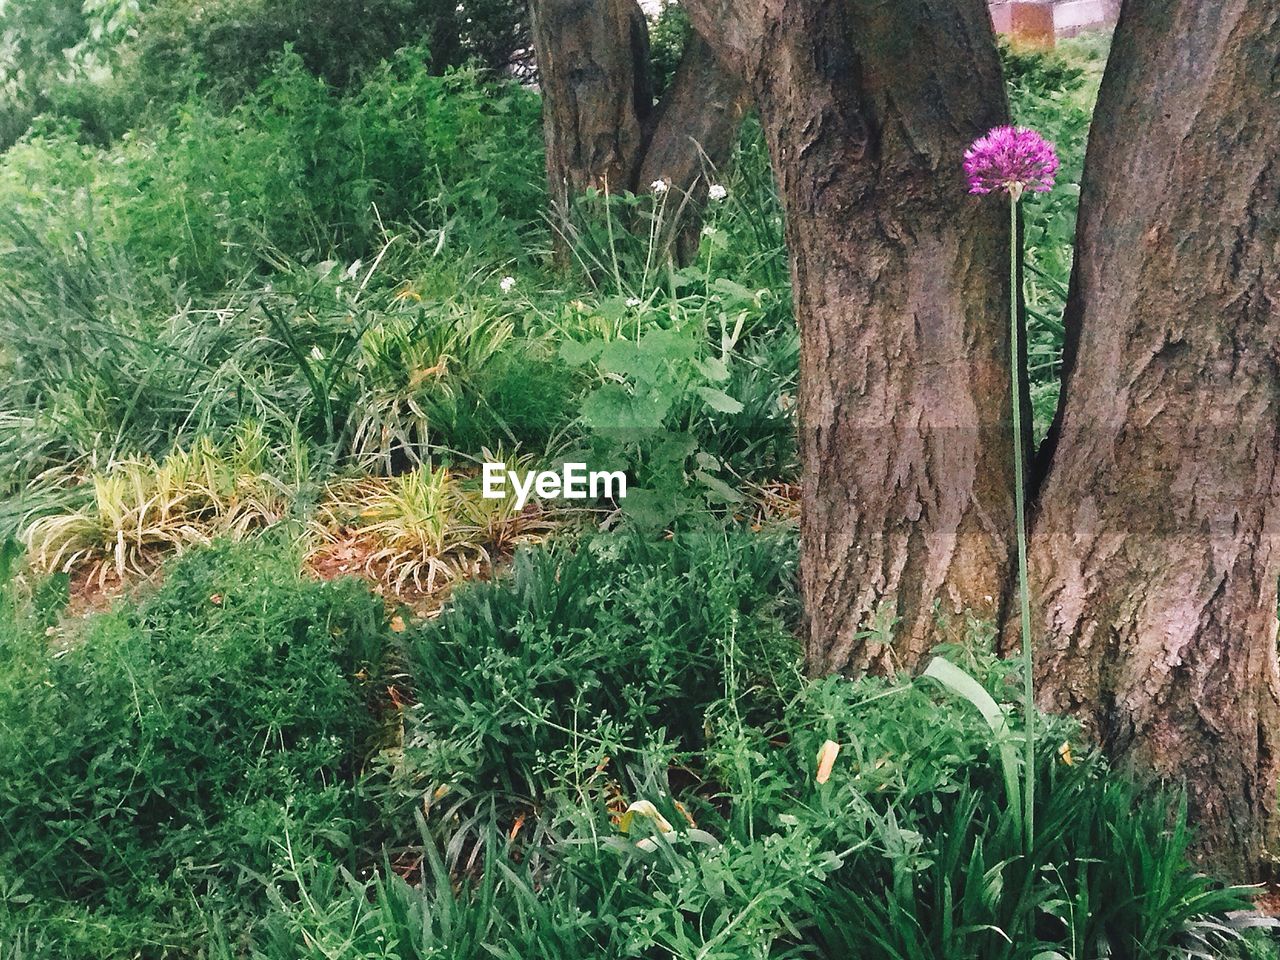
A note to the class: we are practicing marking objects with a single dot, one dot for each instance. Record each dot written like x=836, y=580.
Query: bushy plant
x=150, y=758
x=113, y=65
x=581, y=655
x=906, y=848
x=140, y=508
x=298, y=166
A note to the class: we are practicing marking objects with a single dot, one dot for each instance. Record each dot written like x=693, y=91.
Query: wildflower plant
x=1013, y=161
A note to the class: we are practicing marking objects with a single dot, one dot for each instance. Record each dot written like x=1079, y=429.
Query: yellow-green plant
x=142, y=508
x=410, y=362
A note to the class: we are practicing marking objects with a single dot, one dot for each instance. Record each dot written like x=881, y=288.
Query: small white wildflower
x=317, y=353
x=507, y=284
x=708, y=231
x=633, y=301
x=716, y=192
x=658, y=186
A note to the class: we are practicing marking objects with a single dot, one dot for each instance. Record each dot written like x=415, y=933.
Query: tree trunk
x=692, y=134
x=593, y=58
x=601, y=125
x=1153, y=554
x=900, y=285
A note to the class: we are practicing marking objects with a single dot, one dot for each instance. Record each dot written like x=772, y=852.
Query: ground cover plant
x=278, y=681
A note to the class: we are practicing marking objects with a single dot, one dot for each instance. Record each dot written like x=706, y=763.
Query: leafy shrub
x=908, y=850
x=116, y=64
x=298, y=166
x=597, y=650
x=149, y=760
x=690, y=394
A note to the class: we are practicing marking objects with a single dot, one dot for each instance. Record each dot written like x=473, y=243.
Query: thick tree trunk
x=601, y=125
x=900, y=284
x=593, y=67
x=1153, y=552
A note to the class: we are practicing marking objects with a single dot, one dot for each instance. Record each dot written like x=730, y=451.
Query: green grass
x=218, y=770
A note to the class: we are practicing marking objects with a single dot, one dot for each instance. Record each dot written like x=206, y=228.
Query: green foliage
x=585, y=654
x=51, y=51
x=297, y=167
x=149, y=759
x=344, y=358
x=695, y=371
x=116, y=64
x=1054, y=93
x=909, y=850
x=669, y=32
x=635, y=415
x=183, y=779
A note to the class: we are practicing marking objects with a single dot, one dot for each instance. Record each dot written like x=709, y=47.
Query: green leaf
x=714, y=369
x=718, y=487
x=571, y=351
x=719, y=400
x=611, y=409
x=963, y=685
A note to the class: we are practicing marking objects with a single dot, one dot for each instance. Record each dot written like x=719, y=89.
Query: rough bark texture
x=601, y=125
x=692, y=133
x=593, y=58
x=900, y=284
x=1153, y=550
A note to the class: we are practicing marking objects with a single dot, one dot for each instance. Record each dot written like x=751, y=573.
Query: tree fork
x=602, y=127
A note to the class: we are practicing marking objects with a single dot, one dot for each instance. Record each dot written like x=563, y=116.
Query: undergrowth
x=610, y=753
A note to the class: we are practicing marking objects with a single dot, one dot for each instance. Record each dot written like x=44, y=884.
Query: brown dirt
x=1268, y=901
x=93, y=590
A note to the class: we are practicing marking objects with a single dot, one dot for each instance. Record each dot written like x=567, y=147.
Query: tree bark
x=900, y=285
x=600, y=122
x=1153, y=548
x=692, y=134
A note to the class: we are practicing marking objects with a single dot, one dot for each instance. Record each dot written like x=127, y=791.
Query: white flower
x=317, y=353
x=658, y=186
x=716, y=192
x=708, y=230
x=633, y=301
x=507, y=284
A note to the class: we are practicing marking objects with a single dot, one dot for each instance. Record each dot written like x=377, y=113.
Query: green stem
x=1019, y=508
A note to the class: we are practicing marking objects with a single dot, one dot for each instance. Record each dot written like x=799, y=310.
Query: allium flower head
x=507, y=284
x=1010, y=159
x=659, y=186
x=717, y=192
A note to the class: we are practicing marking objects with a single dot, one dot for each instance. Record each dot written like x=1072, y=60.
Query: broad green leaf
x=714, y=369
x=718, y=487
x=963, y=685
x=719, y=400
x=571, y=351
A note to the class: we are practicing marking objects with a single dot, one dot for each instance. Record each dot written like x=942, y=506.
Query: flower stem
x=1020, y=518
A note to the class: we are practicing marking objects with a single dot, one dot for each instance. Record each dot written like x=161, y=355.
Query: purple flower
x=1012, y=159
